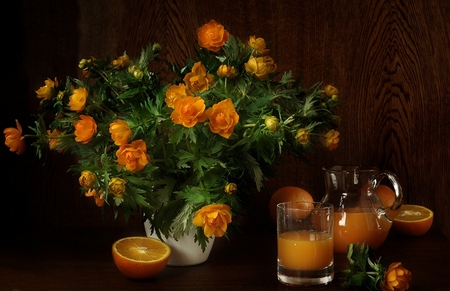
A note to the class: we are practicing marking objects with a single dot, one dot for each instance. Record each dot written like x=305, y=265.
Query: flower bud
x=138, y=74
x=117, y=186
x=331, y=90
x=272, y=123
x=87, y=179
x=231, y=188
x=82, y=64
x=302, y=136
x=227, y=72
x=156, y=47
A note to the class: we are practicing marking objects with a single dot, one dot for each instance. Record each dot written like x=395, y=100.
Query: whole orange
x=287, y=194
x=386, y=195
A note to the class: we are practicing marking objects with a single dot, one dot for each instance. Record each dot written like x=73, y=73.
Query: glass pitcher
x=359, y=214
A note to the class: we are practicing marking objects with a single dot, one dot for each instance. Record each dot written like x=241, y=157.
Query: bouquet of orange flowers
x=187, y=151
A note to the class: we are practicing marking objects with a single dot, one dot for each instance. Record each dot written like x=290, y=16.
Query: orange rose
x=120, y=132
x=53, y=138
x=259, y=45
x=332, y=139
x=85, y=129
x=188, y=111
x=77, y=100
x=174, y=92
x=197, y=80
x=14, y=139
x=99, y=198
x=133, y=156
x=260, y=67
x=213, y=218
x=212, y=36
x=223, y=118
x=396, y=278
x=45, y=92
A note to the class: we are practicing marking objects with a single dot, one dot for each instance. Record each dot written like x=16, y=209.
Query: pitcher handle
x=393, y=179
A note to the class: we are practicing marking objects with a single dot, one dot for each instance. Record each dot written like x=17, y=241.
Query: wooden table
x=80, y=259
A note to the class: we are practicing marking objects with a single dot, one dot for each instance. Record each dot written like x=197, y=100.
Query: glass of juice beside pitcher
x=359, y=214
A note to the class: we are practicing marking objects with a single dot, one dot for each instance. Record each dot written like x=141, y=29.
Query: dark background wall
x=389, y=58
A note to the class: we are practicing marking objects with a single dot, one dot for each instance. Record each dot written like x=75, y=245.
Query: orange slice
x=413, y=220
x=140, y=257
x=287, y=194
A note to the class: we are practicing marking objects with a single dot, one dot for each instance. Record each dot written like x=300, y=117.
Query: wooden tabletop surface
x=80, y=259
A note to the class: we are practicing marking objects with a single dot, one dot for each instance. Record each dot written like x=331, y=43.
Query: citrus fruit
x=413, y=220
x=140, y=257
x=386, y=195
x=287, y=194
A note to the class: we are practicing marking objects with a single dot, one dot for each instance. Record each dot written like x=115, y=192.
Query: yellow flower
x=214, y=219
x=332, y=139
x=227, y=72
x=77, y=100
x=197, y=80
x=120, y=132
x=260, y=67
x=212, y=36
x=117, y=186
x=231, y=188
x=223, y=118
x=302, y=136
x=121, y=62
x=14, y=139
x=98, y=198
x=45, y=92
x=133, y=156
x=85, y=129
x=330, y=91
x=396, y=278
x=259, y=45
x=87, y=179
x=272, y=123
x=175, y=92
x=53, y=140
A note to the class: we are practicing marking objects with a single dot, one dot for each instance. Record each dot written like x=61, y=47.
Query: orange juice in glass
x=305, y=243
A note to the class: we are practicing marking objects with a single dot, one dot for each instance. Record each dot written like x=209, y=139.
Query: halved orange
x=413, y=220
x=287, y=194
x=140, y=257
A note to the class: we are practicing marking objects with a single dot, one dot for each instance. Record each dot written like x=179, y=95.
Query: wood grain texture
x=389, y=58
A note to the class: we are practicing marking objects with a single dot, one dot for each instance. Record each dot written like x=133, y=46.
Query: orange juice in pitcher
x=359, y=215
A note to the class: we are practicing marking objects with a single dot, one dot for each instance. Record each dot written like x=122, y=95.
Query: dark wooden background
x=389, y=58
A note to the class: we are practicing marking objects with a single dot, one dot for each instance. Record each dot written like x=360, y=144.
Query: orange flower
x=120, y=132
x=87, y=179
x=99, y=199
x=121, y=62
x=223, y=118
x=396, y=278
x=85, y=129
x=45, y=92
x=133, y=156
x=77, y=100
x=331, y=90
x=174, y=92
x=260, y=67
x=213, y=218
x=259, y=45
x=212, y=36
x=332, y=139
x=117, y=186
x=188, y=111
x=53, y=140
x=225, y=71
x=197, y=80
x=14, y=139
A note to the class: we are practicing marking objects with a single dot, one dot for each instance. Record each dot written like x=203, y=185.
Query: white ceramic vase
x=185, y=252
